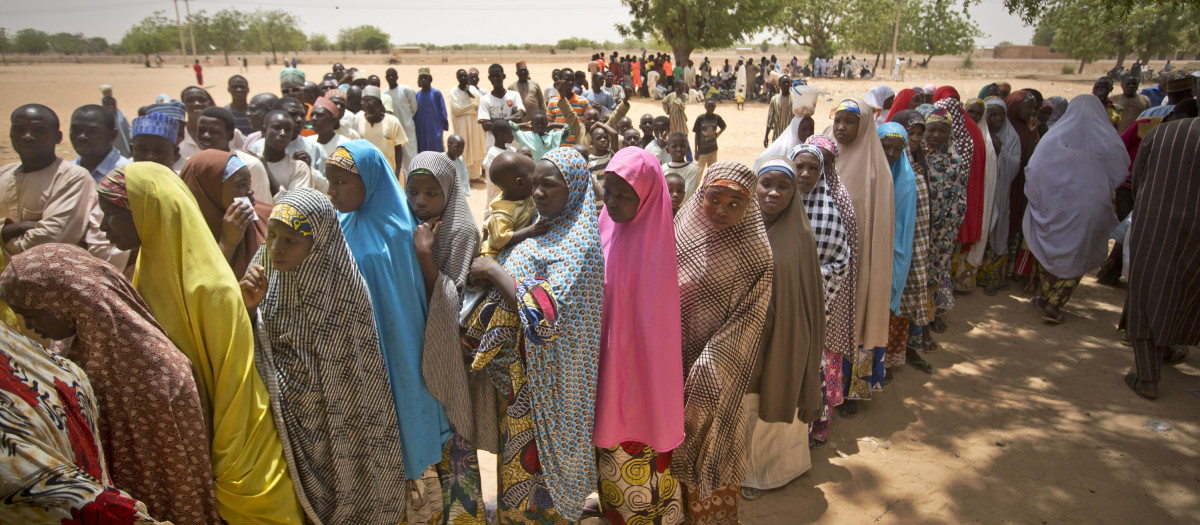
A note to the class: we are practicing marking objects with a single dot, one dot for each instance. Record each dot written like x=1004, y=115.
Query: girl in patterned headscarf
x=538, y=335
x=153, y=433
x=947, y=206
x=326, y=374
x=894, y=139
x=213, y=176
x=446, y=241
x=916, y=303
x=725, y=276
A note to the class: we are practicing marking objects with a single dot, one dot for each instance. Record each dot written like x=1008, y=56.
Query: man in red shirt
x=199, y=73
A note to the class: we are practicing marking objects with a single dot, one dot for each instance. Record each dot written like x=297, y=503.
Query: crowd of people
x=283, y=310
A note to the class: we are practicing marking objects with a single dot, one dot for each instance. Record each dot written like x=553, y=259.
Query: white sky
x=464, y=21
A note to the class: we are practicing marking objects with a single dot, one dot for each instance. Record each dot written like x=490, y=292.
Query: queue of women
x=673, y=364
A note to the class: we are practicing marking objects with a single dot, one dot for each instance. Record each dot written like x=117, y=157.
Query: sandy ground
x=1022, y=423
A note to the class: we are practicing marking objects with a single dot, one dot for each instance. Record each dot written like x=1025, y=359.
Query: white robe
x=464, y=113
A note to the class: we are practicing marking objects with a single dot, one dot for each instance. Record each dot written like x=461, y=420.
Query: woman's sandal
x=938, y=325
x=1178, y=353
x=1040, y=305
x=1131, y=380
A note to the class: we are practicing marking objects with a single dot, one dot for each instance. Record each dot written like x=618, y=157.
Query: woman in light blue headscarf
x=378, y=226
x=904, y=183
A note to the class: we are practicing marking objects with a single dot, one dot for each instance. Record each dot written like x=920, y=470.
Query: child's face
x=677, y=189
x=678, y=150
x=661, y=129
x=646, y=124
x=624, y=125
x=591, y=116
x=632, y=138
x=454, y=148
x=710, y=106
x=287, y=247
x=540, y=124
x=600, y=140
x=425, y=196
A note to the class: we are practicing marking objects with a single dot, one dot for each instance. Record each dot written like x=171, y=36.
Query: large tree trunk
x=681, y=55
x=226, y=58
x=274, y=57
x=876, y=61
x=1082, y=61
x=1120, y=58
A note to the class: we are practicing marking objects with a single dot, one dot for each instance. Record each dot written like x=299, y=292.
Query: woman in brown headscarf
x=1022, y=105
x=218, y=179
x=152, y=423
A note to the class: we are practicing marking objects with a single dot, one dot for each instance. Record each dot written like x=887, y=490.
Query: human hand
x=234, y=223
x=254, y=286
x=425, y=234
x=302, y=156
x=479, y=270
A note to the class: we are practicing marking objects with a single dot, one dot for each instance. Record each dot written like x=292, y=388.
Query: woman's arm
x=487, y=269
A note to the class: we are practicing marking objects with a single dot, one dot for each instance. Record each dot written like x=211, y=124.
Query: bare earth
x=1022, y=423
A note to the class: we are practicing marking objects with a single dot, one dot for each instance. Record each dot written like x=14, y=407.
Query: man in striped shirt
x=566, y=86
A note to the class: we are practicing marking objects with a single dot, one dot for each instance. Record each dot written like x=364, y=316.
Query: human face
x=298, y=113
x=286, y=246
x=496, y=77
x=211, y=134
x=462, y=77
x=710, y=106
x=89, y=136
x=323, y=121
x=373, y=108
x=845, y=127
x=724, y=207
x=455, y=147
x=646, y=123
x=677, y=188
x=473, y=79
x=1028, y=108
x=808, y=171
x=277, y=132
x=1044, y=113
x=550, y=191
x=600, y=140
x=540, y=123
x=522, y=73
x=424, y=81
x=916, y=100
x=608, y=79
x=425, y=196
x=1102, y=88
x=624, y=125
x=995, y=118
x=566, y=84
x=893, y=147
x=258, y=109
x=591, y=116
x=774, y=193
x=373, y=80
x=239, y=89
x=678, y=150
x=785, y=85
x=196, y=100
x=620, y=199
x=392, y=78
x=153, y=148
x=292, y=89
x=806, y=129
x=916, y=133
x=661, y=129
x=117, y=225
x=936, y=134
x=632, y=138
x=237, y=185
x=34, y=134
x=1129, y=86
x=975, y=111
x=45, y=323
x=346, y=189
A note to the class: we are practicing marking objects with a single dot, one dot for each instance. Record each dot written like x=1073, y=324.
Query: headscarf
x=839, y=334
x=327, y=104
x=562, y=371
x=1028, y=137
x=916, y=302
x=194, y=296
x=787, y=369
x=455, y=245
x=904, y=186
x=903, y=100
x=325, y=373
x=380, y=235
x=947, y=205
x=640, y=391
x=833, y=250
x=945, y=92
x=725, y=280
x=782, y=144
x=1060, y=108
x=968, y=142
x=868, y=180
x=987, y=221
x=1005, y=89
x=113, y=189
x=154, y=434
x=909, y=118
x=877, y=98
x=925, y=109
x=1008, y=162
x=203, y=173
x=984, y=90
x=1069, y=183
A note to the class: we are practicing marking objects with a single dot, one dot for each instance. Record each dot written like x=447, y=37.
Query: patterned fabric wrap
x=941, y=116
x=963, y=144
x=915, y=303
x=341, y=158
x=293, y=218
x=53, y=464
x=947, y=207
x=112, y=188
x=326, y=376
x=925, y=110
x=848, y=105
x=725, y=279
x=718, y=508
x=839, y=336
x=562, y=369
x=636, y=485
x=833, y=248
x=154, y=435
x=231, y=167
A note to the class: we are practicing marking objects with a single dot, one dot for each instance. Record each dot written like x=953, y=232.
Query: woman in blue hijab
x=904, y=183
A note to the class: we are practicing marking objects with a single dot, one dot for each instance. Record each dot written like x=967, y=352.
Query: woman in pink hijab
x=639, y=399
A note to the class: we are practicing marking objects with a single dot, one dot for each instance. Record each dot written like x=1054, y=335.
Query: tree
x=5, y=44
x=318, y=42
x=32, y=41
x=1031, y=11
x=228, y=31
x=67, y=43
x=812, y=24
x=154, y=34
x=1043, y=35
x=687, y=25
x=1089, y=35
x=932, y=27
x=367, y=37
x=866, y=29
x=96, y=45
x=275, y=30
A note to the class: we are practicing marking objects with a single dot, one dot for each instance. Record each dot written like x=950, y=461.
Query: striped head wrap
x=778, y=164
x=112, y=188
x=848, y=105
x=811, y=149
x=939, y=115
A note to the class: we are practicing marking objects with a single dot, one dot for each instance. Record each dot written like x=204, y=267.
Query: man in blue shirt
x=597, y=95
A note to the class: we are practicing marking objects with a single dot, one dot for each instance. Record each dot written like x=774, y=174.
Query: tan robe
x=464, y=113
x=58, y=197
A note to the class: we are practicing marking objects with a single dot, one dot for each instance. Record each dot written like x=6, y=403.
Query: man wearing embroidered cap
x=381, y=129
x=291, y=83
x=154, y=136
x=530, y=92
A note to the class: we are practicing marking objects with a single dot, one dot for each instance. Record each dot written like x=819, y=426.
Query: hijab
x=987, y=221
x=468, y=398
x=877, y=98
x=840, y=334
x=909, y=118
x=1069, y=183
x=154, y=434
x=640, y=391
x=968, y=142
x=1060, y=108
x=203, y=173
x=833, y=248
x=904, y=186
x=786, y=372
x=782, y=144
x=867, y=177
x=326, y=375
x=725, y=279
x=903, y=100
x=1008, y=163
x=192, y=292
x=380, y=236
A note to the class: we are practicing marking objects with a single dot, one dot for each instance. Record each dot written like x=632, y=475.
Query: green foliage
x=1068, y=69
x=319, y=42
x=31, y=41
x=275, y=30
x=573, y=43
x=968, y=62
x=933, y=27
x=228, y=31
x=765, y=46
x=1043, y=35
x=366, y=37
x=1031, y=11
x=67, y=43
x=154, y=34
x=95, y=45
x=811, y=23
x=869, y=26
x=688, y=25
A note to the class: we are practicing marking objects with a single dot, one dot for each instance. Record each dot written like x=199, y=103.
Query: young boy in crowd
x=646, y=124
x=658, y=146
x=455, y=145
x=601, y=152
x=677, y=188
x=512, y=212
x=741, y=101
x=631, y=137
x=502, y=135
x=707, y=128
x=677, y=148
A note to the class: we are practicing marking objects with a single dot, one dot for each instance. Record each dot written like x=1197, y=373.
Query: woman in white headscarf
x=991, y=274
